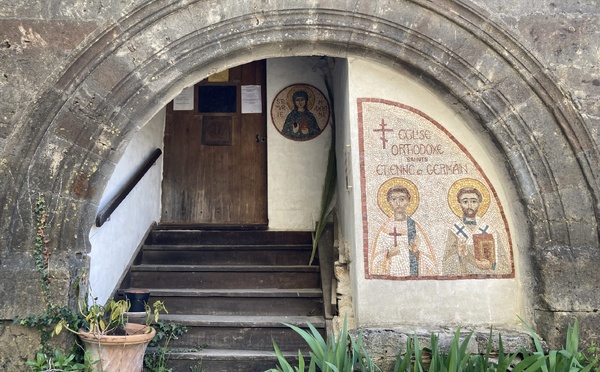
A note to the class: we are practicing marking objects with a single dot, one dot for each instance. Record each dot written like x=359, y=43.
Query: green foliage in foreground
x=333, y=355
x=345, y=354
x=156, y=360
x=61, y=362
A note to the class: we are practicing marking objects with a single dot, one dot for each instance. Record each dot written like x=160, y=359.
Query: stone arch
x=69, y=141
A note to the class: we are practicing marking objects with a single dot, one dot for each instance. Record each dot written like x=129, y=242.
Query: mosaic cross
x=395, y=234
x=461, y=230
x=383, y=130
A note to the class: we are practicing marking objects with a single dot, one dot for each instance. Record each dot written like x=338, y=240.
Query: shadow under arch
x=134, y=66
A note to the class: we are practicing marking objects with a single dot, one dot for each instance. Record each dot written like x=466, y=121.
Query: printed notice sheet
x=251, y=99
x=185, y=100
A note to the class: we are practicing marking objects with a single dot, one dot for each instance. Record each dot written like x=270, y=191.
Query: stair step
x=224, y=276
x=218, y=360
x=267, y=301
x=284, y=254
x=226, y=268
x=191, y=236
x=264, y=292
x=233, y=290
x=242, y=332
x=227, y=247
x=244, y=321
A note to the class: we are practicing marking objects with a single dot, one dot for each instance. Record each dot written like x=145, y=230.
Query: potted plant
x=115, y=343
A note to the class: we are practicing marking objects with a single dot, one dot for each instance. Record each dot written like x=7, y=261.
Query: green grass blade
x=317, y=345
x=463, y=356
x=536, y=340
x=418, y=355
x=435, y=354
x=284, y=365
x=330, y=185
x=301, y=363
x=488, y=347
x=313, y=365
x=331, y=367
x=572, y=345
x=539, y=365
x=527, y=362
x=452, y=361
x=504, y=360
x=403, y=363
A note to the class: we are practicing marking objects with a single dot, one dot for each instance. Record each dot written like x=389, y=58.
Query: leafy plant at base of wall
x=330, y=185
x=61, y=362
x=341, y=354
x=197, y=368
x=46, y=322
x=567, y=359
x=456, y=359
x=41, y=252
x=591, y=356
x=156, y=360
x=46, y=358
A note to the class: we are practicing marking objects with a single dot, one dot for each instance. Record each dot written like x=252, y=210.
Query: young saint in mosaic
x=472, y=244
x=300, y=122
x=401, y=248
x=300, y=112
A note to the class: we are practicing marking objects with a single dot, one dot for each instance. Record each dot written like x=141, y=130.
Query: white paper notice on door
x=251, y=99
x=184, y=100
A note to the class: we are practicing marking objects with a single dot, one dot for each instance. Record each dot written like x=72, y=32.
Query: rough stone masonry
x=78, y=77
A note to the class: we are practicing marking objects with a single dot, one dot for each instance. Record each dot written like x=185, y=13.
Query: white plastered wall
x=296, y=169
x=115, y=243
x=421, y=302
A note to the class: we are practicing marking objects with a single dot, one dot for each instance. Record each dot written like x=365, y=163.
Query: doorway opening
x=214, y=153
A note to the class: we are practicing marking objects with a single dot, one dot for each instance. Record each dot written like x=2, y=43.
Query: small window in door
x=217, y=98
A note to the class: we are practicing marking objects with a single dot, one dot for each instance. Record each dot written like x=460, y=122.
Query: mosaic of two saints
x=467, y=245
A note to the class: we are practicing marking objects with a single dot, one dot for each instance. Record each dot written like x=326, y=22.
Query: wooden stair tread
x=239, y=268
x=191, y=226
x=191, y=236
x=253, y=292
x=249, y=321
x=226, y=247
x=228, y=354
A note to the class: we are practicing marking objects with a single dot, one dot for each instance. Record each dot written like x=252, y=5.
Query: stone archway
x=67, y=145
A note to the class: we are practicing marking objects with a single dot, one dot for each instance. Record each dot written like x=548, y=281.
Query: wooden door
x=215, y=155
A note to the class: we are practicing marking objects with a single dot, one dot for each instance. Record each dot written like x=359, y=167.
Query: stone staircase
x=232, y=290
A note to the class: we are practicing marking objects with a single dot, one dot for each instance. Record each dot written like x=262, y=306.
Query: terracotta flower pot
x=119, y=353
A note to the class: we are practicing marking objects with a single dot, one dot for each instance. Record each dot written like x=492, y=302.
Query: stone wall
x=80, y=77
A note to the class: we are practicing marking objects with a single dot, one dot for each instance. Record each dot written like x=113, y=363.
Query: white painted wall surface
x=347, y=155
x=295, y=169
x=115, y=243
x=344, y=147
x=424, y=302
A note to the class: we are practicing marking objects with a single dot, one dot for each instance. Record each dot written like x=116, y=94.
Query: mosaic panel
x=300, y=112
x=429, y=211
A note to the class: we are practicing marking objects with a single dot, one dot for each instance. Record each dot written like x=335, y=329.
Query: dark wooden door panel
x=214, y=167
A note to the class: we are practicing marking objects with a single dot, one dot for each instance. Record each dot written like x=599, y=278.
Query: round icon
x=300, y=112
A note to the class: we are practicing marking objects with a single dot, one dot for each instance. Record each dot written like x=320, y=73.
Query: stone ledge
x=384, y=344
